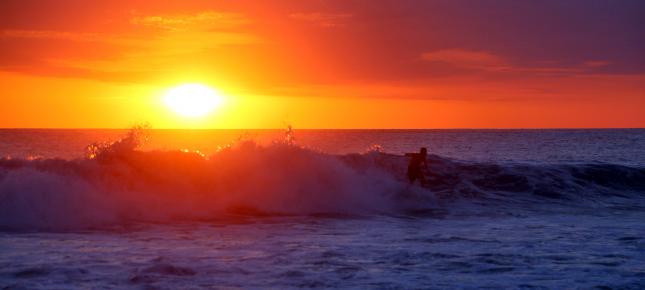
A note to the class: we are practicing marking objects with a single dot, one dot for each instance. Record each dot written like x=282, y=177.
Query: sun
x=192, y=100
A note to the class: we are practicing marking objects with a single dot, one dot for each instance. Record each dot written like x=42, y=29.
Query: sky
x=325, y=63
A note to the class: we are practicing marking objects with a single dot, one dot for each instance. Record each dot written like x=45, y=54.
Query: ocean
x=258, y=209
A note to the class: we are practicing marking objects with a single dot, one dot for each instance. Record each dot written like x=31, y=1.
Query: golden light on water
x=192, y=100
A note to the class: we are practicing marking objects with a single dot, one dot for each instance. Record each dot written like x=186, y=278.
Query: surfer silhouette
x=414, y=167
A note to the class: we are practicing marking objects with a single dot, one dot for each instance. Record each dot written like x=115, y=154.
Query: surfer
x=414, y=167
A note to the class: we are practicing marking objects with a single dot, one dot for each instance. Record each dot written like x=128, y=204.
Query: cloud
x=462, y=57
x=466, y=59
x=207, y=28
x=596, y=63
x=477, y=88
x=202, y=20
x=174, y=41
x=323, y=19
x=71, y=36
x=489, y=62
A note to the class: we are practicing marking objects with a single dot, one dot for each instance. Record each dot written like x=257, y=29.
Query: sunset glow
x=323, y=64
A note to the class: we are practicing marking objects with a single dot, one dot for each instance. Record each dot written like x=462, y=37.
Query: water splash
x=375, y=148
x=289, y=136
x=134, y=139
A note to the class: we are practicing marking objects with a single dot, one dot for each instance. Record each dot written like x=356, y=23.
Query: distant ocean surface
x=257, y=209
x=617, y=146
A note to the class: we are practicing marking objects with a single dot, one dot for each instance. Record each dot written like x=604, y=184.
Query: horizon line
x=283, y=128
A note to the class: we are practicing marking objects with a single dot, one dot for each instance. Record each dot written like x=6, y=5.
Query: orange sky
x=324, y=64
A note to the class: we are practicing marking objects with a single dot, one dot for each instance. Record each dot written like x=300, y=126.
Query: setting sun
x=192, y=100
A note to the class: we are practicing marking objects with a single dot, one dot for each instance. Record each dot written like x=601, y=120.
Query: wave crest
x=129, y=185
x=120, y=184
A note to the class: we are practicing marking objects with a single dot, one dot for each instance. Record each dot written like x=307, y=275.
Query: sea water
x=213, y=209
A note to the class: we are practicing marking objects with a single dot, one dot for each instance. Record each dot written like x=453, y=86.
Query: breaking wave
x=118, y=184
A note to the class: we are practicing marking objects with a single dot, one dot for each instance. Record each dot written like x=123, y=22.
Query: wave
x=118, y=184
